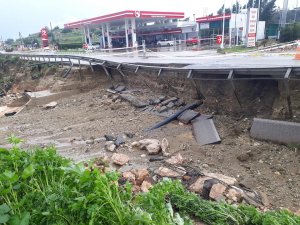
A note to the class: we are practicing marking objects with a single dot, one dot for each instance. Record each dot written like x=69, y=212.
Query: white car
x=165, y=42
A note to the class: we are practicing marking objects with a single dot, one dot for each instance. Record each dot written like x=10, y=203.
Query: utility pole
x=223, y=29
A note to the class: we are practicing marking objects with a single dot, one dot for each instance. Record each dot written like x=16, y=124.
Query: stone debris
x=50, y=105
x=164, y=146
x=166, y=102
x=120, y=140
x=234, y=195
x=128, y=175
x=166, y=172
x=198, y=185
x=133, y=100
x=145, y=186
x=140, y=175
x=110, y=146
x=175, y=160
x=151, y=145
x=217, y=192
x=227, y=180
x=120, y=159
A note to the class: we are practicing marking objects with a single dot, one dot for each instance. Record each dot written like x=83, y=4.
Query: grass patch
x=41, y=187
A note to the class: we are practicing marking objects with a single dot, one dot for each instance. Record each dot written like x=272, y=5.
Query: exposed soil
x=91, y=114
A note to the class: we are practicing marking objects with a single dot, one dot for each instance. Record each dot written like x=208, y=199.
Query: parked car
x=165, y=42
x=192, y=41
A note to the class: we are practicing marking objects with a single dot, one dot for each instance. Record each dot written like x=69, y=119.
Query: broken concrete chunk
x=277, y=131
x=176, y=159
x=205, y=131
x=162, y=109
x=217, y=192
x=50, y=105
x=109, y=138
x=221, y=177
x=170, y=105
x=166, y=102
x=133, y=100
x=110, y=146
x=187, y=116
x=120, y=159
x=166, y=172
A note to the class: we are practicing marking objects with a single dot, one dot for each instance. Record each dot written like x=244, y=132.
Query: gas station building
x=128, y=28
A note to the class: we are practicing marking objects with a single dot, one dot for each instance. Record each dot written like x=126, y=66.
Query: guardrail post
x=144, y=48
x=44, y=58
x=190, y=77
x=79, y=67
x=287, y=89
x=230, y=78
x=92, y=69
x=61, y=60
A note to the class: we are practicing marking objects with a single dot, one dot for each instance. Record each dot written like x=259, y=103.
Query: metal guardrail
x=221, y=74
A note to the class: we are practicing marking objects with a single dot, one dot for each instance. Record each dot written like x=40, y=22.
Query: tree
x=267, y=9
x=220, y=11
x=9, y=41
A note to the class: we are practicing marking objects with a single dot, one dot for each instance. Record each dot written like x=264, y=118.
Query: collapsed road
x=87, y=121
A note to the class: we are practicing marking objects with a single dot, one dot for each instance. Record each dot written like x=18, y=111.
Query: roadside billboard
x=251, y=27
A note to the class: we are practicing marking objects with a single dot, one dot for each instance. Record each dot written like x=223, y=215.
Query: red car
x=192, y=41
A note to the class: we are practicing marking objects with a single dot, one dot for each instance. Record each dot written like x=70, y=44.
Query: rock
x=297, y=213
x=157, y=158
x=186, y=178
x=166, y=172
x=133, y=100
x=197, y=186
x=110, y=146
x=120, y=88
x=166, y=102
x=170, y=105
x=145, y=186
x=205, y=165
x=140, y=174
x=256, y=144
x=129, y=176
x=156, y=101
x=187, y=116
x=162, y=109
x=151, y=145
x=143, y=155
x=120, y=140
x=136, y=189
x=50, y=105
x=129, y=135
x=221, y=177
x=164, y=146
x=109, y=138
x=217, y=192
x=176, y=159
x=90, y=142
x=120, y=159
x=244, y=157
x=234, y=195
x=277, y=173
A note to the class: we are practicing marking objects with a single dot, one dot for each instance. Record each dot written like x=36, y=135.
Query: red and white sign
x=251, y=27
x=219, y=39
x=44, y=36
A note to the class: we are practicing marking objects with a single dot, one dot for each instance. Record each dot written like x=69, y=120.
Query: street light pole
x=223, y=29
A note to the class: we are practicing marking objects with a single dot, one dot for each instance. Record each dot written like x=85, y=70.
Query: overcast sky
x=29, y=16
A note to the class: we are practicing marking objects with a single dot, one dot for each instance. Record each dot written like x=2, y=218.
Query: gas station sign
x=44, y=36
x=251, y=27
x=219, y=39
